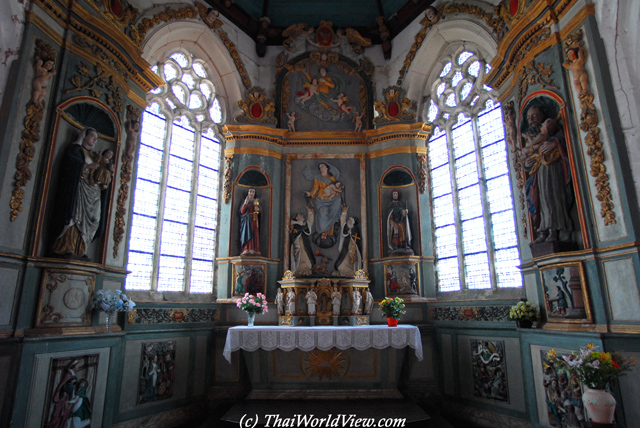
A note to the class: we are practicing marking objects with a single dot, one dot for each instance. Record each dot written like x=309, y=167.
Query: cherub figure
x=310, y=89
x=358, y=120
x=342, y=102
x=576, y=58
x=291, y=123
x=548, y=129
x=43, y=72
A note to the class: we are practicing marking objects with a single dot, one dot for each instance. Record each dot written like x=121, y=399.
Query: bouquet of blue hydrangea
x=112, y=301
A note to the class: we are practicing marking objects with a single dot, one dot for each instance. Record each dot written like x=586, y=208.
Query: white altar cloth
x=287, y=338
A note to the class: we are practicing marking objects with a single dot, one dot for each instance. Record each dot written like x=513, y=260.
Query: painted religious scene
x=249, y=278
x=157, y=371
x=325, y=231
x=563, y=397
x=489, y=370
x=71, y=391
x=401, y=278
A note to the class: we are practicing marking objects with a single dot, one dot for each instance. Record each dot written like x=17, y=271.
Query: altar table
x=324, y=338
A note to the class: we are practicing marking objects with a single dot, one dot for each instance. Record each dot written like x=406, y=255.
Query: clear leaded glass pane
x=199, y=70
x=464, y=56
x=201, y=276
x=448, y=274
x=474, y=69
x=181, y=59
x=433, y=112
x=446, y=69
x=215, y=111
x=195, y=102
x=478, y=212
x=206, y=90
x=141, y=266
x=188, y=80
x=170, y=273
x=179, y=93
x=456, y=79
x=170, y=72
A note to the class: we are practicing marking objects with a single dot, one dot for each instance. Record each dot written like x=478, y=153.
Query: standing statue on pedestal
x=82, y=202
x=312, y=298
x=368, y=302
x=280, y=302
x=398, y=228
x=250, y=225
x=291, y=302
x=336, y=301
x=357, y=299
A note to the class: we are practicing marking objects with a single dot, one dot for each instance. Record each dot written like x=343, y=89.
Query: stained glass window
x=173, y=228
x=473, y=215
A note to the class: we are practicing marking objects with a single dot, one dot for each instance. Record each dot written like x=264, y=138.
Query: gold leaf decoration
x=231, y=47
x=102, y=79
x=422, y=172
x=132, y=128
x=589, y=124
x=31, y=132
x=534, y=74
x=228, y=172
x=325, y=363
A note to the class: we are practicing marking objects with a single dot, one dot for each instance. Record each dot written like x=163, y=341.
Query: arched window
x=474, y=221
x=173, y=228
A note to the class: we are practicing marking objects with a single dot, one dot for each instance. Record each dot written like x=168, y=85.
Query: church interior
x=209, y=205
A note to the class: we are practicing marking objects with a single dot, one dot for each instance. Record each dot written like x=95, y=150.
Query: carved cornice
x=132, y=127
x=100, y=34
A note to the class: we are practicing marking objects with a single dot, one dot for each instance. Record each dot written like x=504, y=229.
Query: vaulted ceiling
x=358, y=14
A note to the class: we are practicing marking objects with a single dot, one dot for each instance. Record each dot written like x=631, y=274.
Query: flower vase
x=251, y=318
x=525, y=323
x=108, y=320
x=600, y=405
x=392, y=322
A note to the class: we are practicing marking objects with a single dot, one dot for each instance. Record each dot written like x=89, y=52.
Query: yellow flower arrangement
x=524, y=310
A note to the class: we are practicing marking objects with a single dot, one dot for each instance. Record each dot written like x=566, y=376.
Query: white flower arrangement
x=112, y=301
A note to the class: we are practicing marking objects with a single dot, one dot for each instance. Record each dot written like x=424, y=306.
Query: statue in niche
x=576, y=59
x=250, y=224
x=291, y=122
x=398, y=228
x=302, y=258
x=81, y=206
x=336, y=301
x=328, y=205
x=349, y=260
x=548, y=188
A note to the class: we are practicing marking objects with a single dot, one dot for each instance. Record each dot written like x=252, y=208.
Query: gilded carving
x=256, y=108
x=394, y=108
x=576, y=56
x=228, y=172
x=325, y=363
x=102, y=79
x=48, y=313
x=132, y=128
x=99, y=52
x=509, y=114
x=138, y=33
x=44, y=60
x=534, y=74
x=231, y=47
x=422, y=172
x=536, y=35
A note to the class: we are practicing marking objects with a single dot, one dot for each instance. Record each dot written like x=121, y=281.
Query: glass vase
x=108, y=320
x=251, y=318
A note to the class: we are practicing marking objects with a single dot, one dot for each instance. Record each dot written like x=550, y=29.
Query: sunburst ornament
x=325, y=363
